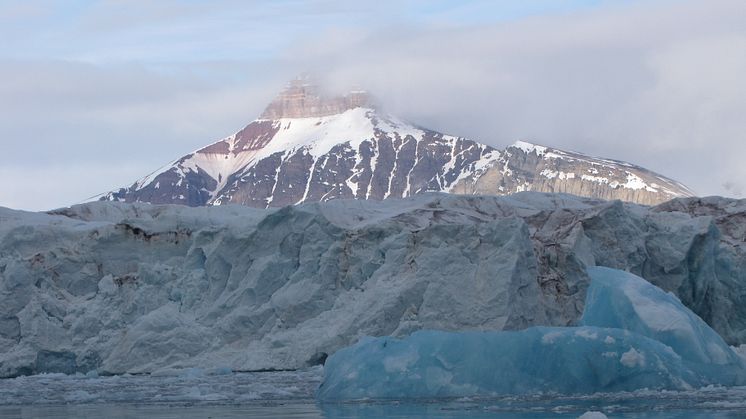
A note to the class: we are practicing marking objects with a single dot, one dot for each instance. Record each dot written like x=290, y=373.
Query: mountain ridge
x=310, y=147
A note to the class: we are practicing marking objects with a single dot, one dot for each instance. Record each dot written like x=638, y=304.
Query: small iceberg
x=632, y=336
x=621, y=300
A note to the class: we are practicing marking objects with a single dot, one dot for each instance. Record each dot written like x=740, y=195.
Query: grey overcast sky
x=97, y=93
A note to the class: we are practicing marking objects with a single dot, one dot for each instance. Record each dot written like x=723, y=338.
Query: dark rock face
x=255, y=136
x=309, y=148
x=172, y=187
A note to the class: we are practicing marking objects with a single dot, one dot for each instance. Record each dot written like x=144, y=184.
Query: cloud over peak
x=657, y=83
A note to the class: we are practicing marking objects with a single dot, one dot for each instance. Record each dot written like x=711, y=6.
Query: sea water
x=290, y=394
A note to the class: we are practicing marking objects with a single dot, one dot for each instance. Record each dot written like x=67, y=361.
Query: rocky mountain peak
x=303, y=98
x=311, y=146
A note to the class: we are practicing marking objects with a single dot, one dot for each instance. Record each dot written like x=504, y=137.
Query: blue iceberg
x=632, y=336
x=621, y=300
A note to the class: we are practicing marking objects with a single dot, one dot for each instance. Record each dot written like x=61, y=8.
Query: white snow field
x=134, y=288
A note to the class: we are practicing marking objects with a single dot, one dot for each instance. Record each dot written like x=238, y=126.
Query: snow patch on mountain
x=319, y=135
x=530, y=148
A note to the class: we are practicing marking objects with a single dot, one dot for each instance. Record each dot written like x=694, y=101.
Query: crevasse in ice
x=633, y=336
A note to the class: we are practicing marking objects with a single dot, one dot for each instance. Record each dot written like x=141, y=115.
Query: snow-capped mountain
x=307, y=147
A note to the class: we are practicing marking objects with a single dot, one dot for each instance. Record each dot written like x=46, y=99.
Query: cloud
x=656, y=83
x=93, y=124
x=659, y=83
x=13, y=11
x=45, y=187
x=735, y=188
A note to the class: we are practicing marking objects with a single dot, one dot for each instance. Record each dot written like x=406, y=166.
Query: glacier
x=633, y=336
x=121, y=288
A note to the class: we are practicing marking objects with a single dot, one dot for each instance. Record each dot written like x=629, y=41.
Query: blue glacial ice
x=633, y=336
x=621, y=300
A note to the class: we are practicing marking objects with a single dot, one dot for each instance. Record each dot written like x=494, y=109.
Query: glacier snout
x=135, y=288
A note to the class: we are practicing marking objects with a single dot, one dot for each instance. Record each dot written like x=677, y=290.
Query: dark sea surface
x=215, y=394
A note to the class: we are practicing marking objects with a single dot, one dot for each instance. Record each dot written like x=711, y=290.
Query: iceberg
x=621, y=300
x=435, y=364
x=632, y=336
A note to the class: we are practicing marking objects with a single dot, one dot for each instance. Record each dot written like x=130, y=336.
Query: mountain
x=310, y=147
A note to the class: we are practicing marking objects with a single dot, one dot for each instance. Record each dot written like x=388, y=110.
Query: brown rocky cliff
x=302, y=99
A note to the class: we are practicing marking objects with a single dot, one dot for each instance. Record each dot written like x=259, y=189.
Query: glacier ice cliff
x=136, y=288
x=633, y=336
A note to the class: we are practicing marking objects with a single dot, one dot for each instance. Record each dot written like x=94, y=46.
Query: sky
x=95, y=94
